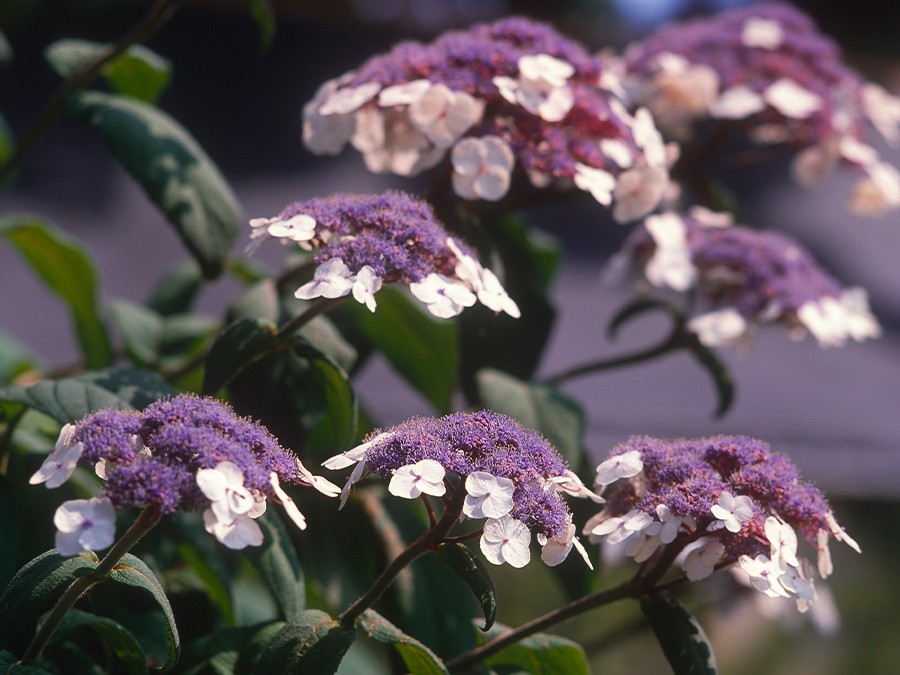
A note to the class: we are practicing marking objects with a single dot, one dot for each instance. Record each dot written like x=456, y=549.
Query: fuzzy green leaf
x=279, y=566
x=67, y=270
x=119, y=639
x=173, y=170
x=418, y=658
x=682, y=639
x=540, y=654
x=312, y=643
x=241, y=344
x=470, y=568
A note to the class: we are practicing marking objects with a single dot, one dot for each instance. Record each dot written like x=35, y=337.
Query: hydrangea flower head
x=498, y=97
x=511, y=476
x=365, y=241
x=745, y=276
x=183, y=453
x=769, y=67
x=721, y=501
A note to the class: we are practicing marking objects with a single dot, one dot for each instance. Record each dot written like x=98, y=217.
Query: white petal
x=791, y=99
x=762, y=33
x=626, y=465
x=737, y=103
x=718, y=328
x=289, y=506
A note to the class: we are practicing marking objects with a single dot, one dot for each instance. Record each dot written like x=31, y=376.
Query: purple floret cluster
x=493, y=96
x=768, y=67
x=465, y=443
x=721, y=500
x=749, y=275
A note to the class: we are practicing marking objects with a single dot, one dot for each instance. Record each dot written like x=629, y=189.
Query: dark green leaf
x=680, y=636
x=141, y=331
x=264, y=17
x=324, y=336
x=8, y=658
x=242, y=343
x=14, y=359
x=132, y=571
x=719, y=373
x=279, y=566
x=259, y=301
x=172, y=168
x=6, y=54
x=64, y=400
x=67, y=271
x=176, y=292
x=39, y=583
x=313, y=644
x=470, y=568
x=120, y=641
x=9, y=531
x=138, y=72
x=255, y=645
x=540, y=654
x=554, y=413
x=422, y=349
x=418, y=658
x=139, y=388
x=332, y=424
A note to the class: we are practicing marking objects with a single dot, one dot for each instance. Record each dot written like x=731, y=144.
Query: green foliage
x=138, y=72
x=538, y=654
x=682, y=639
x=116, y=637
x=66, y=270
x=471, y=569
x=312, y=643
x=279, y=566
x=419, y=659
x=173, y=169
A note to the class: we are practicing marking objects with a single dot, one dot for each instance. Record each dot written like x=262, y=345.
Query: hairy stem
x=429, y=540
x=159, y=14
x=147, y=519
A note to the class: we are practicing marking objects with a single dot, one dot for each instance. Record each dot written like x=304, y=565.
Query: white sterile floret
x=332, y=279
x=506, y=540
x=60, y=464
x=482, y=167
x=709, y=218
x=791, y=99
x=648, y=138
x=571, y=484
x=488, y=496
x=287, y=502
x=670, y=524
x=352, y=479
x=626, y=465
x=598, y=182
x=783, y=540
x=224, y=487
x=618, y=151
x=238, y=533
x=84, y=524
x=544, y=67
x=483, y=282
x=412, y=480
x=296, y=228
x=762, y=33
x=325, y=134
x=444, y=115
x=701, y=559
x=541, y=88
x=833, y=320
x=811, y=165
x=405, y=93
x=840, y=533
x=349, y=99
x=731, y=511
x=365, y=285
x=764, y=575
x=638, y=191
x=323, y=485
x=882, y=109
x=877, y=192
x=556, y=549
x=444, y=297
x=670, y=265
x=353, y=455
x=718, y=328
x=389, y=142
x=737, y=103
x=618, y=529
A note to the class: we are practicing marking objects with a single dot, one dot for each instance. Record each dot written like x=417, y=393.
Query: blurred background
x=835, y=412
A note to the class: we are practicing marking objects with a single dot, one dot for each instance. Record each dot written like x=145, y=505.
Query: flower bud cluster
x=365, y=241
x=769, y=67
x=183, y=453
x=511, y=475
x=495, y=96
x=745, y=276
x=719, y=501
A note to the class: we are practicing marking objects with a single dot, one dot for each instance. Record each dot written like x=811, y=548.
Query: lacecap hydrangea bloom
x=513, y=478
x=768, y=66
x=184, y=453
x=719, y=502
x=365, y=241
x=501, y=96
x=743, y=277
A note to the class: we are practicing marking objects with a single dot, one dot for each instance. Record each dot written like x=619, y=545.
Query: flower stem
x=147, y=519
x=159, y=14
x=429, y=540
x=574, y=608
